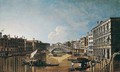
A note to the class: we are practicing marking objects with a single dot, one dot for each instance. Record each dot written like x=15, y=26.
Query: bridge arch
x=59, y=48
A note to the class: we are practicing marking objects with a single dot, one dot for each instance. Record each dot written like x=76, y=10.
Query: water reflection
x=14, y=64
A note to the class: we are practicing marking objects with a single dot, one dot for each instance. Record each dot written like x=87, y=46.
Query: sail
x=33, y=53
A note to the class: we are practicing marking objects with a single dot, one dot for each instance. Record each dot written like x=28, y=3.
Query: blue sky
x=54, y=20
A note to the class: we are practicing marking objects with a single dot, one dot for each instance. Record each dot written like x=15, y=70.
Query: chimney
x=101, y=21
x=9, y=36
x=97, y=22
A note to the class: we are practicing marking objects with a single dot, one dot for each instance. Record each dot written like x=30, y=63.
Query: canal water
x=14, y=64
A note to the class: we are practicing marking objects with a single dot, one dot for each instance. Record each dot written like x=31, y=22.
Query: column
x=105, y=53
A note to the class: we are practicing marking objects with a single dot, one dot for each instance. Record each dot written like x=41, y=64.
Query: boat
x=30, y=60
x=52, y=64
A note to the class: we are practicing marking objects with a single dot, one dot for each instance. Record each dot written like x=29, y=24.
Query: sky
x=54, y=20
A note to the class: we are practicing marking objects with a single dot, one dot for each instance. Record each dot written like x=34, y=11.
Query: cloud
x=58, y=20
x=74, y=18
x=58, y=35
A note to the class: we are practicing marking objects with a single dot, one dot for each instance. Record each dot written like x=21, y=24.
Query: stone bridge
x=59, y=46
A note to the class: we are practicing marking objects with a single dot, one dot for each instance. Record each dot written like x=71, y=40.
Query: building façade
x=106, y=38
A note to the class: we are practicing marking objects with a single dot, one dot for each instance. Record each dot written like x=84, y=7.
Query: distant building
x=76, y=48
x=106, y=37
x=41, y=47
x=90, y=44
x=83, y=44
x=21, y=46
x=80, y=46
x=68, y=43
x=29, y=45
x=12, y=44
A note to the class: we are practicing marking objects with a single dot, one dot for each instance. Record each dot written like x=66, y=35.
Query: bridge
x=59, y=46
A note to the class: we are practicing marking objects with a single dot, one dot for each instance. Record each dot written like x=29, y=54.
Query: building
x=68, y=43
x=106, y=38
x=19, y=46
x=90, y=44
x=76, y=48
x=83, y=44
x=80, y=46
x=29, y=45
x=10, y=44
x=41, y=47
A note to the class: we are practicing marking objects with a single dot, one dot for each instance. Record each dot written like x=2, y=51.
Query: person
x=79, y=65
x=31, y=63
x=82, y=64
x=72, y=64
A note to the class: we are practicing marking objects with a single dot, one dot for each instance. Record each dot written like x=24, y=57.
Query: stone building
x=106, y=38
x=29, y=45
x=90, y=44
x=21, y=45
x=83, y=44
x=41, y=47
x=10, y=44
x=68, y=43
x=80, y=46
x=76, y=48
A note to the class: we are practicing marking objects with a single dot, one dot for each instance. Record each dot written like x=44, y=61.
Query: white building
x=90, y=44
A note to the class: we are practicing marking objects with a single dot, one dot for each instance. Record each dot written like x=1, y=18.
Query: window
x=108, y=54
x=107, y=26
